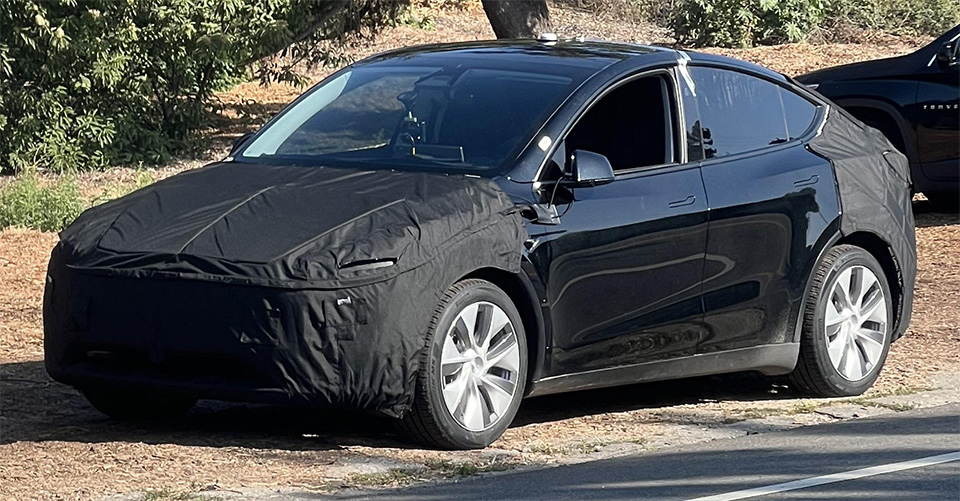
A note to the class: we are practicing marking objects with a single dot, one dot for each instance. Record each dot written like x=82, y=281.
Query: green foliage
x=51, y=204
x=86, y=83
x=733, y=23
x=173, y=495
x=28, y=203
x=111, y=191
x=417, y=17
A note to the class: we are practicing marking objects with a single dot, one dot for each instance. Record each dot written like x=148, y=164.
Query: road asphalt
x=904, y=456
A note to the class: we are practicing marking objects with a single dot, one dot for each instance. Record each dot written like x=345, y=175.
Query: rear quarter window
x=799, y=113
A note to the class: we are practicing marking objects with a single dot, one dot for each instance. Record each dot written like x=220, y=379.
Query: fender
x=827, y=240
x=535, y=293
x=525, y=290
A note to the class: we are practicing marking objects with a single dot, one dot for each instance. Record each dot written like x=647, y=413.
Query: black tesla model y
x=435, y=233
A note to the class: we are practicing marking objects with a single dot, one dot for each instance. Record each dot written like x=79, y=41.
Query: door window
x=799, y=112
x=632, y=125
x=738, y=112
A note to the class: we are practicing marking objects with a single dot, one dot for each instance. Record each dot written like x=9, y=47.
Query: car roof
x=577, y=48
x=713, y=59
x=588, y=55
x=591, y=55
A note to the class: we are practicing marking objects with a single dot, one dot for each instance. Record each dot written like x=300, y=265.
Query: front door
x=623, y=268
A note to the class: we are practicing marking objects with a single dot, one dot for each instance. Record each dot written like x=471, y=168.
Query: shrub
x=733, y=23
x=416, y=16
x=117, y=189
x=28, y=203
x=50, y=205
x=88, y=83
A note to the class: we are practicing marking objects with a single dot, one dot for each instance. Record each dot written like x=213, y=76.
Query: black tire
x=137, y=405
x=430, y=422
x=815, y=374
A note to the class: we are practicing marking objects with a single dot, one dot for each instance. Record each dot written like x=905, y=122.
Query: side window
x=799, y=112
x=632, y=125
x=738, y=112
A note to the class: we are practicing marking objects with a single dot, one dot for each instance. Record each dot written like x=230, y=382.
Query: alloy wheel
x=480, y=364
x=855, y=323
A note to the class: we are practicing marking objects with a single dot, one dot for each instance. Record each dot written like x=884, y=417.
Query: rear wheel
x=848, y=320
x=473, y=371
x=127, y=404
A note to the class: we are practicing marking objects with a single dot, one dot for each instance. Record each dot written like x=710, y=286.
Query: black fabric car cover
x=873, y=179
x=315, y=283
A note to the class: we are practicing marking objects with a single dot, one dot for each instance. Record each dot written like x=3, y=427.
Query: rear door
x=623, y=268
x=766, y=194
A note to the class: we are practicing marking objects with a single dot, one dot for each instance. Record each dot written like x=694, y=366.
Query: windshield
x=443, y=117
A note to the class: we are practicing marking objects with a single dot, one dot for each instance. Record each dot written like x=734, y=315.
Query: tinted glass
x=738, y=112
x=440, y=116
x=691, y=116
x=630, y=126
x=799, y=112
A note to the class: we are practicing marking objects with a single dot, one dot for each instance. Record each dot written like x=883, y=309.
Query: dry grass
x=932, y=344
x=23, y=264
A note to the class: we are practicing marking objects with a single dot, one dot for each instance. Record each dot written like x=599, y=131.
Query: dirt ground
x=54, y=446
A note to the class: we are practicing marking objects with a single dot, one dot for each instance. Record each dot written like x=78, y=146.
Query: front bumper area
x=236, y=342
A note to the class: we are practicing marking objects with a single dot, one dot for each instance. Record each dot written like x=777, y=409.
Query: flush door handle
x=808, y=181
x=683, y=203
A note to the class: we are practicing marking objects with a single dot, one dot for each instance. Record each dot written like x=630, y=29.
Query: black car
x=915, y=101
x=434, y=233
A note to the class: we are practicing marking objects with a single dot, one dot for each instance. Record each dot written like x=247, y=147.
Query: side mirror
x=589, y=169
x=240, y=141
x=947, y=55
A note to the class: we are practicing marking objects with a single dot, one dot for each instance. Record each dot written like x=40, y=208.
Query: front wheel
x=473, y=370
x=847, y=325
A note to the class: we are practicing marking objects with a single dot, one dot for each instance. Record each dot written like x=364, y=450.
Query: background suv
x=915, y=101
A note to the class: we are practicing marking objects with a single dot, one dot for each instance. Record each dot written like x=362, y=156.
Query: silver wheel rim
x=855, y=323
x=480, y=364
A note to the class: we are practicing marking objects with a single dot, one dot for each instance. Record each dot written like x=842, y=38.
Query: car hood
x=892, y=67
x=280, y=224
x=865, y=70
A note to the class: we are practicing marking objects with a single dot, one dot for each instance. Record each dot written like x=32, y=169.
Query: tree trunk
x=517, y=18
